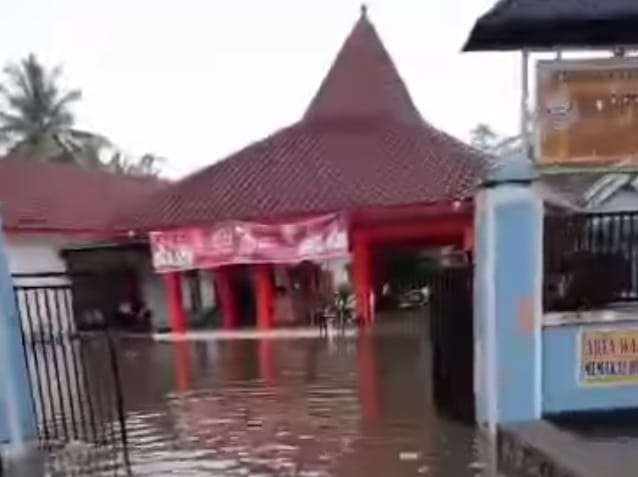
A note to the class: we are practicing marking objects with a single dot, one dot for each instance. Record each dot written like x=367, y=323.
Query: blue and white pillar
x=508, y=296
x=17, y=422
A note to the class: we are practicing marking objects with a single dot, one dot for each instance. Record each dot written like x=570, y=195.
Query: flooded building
x=65, y=226
x=336, y=201
x=361, y=163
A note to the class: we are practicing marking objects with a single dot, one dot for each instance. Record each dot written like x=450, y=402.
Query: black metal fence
x=590, y=260
x=452, y=331
x=74, y=377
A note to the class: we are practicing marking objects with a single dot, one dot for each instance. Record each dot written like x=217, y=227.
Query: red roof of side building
x=59, y=198
x=361, y=143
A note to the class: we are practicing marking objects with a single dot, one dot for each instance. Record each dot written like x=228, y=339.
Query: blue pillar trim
x=17, y=422
x=508, y=299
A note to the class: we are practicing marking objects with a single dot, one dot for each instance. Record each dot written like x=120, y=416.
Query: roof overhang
x=559, y=24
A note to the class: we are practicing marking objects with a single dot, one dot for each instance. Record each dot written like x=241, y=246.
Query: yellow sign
x=587, y=112
x=609, y=357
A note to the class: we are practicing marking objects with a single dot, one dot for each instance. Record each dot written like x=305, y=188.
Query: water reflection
x=313, y=407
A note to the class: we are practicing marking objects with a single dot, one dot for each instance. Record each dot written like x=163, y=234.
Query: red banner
x=229, y=243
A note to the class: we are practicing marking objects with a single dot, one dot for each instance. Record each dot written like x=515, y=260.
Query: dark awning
x=548, y=24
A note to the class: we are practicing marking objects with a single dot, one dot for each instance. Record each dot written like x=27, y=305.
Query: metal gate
x=74, y=377
x=452, y=334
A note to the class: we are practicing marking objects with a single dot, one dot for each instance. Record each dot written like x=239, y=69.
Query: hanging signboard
x=587, y=112
x=235, y=242
x=609, y=357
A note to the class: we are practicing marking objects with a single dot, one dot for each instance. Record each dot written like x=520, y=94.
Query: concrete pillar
x=17, y=420
x=362, y=270
x=508, y=289
x=227, y=298
x=176, y=313
x=265, y=295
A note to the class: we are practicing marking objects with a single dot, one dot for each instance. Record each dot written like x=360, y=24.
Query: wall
x=207, y=284
x=561, y=389
x=339, y=269
x=507, y=304
x=35, y=253
x=154, y=294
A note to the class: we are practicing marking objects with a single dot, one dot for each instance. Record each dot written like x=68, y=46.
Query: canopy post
x=525, y=104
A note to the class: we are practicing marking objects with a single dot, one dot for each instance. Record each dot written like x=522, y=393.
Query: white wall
x=35, y=253
x=40, y=254
x=154, y=294
x=339, y=269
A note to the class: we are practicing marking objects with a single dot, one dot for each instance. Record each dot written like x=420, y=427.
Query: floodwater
x=359, y=406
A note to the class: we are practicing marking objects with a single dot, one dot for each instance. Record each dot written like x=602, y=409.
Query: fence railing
x=452, y=332
x=590, y=260
x=74, y=378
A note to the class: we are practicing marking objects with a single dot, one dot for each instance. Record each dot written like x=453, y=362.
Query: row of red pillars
x=225, y=284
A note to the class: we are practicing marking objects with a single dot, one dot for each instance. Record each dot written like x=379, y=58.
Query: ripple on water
x=308, y=411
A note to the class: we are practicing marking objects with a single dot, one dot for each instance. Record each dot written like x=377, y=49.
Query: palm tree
x=33, y=105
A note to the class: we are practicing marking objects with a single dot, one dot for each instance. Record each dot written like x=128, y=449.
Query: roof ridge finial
x=364, y=10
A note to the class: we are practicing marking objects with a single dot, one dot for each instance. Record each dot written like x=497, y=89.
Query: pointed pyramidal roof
x=363, y=81
x=361, y=144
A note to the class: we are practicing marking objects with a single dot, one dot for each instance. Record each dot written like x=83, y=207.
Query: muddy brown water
x=359, y=406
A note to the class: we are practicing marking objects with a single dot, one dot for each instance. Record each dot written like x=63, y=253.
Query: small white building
x=62, y=226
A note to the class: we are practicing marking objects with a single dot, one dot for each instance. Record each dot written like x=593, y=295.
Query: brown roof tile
x=362, y=143
x=37, y=196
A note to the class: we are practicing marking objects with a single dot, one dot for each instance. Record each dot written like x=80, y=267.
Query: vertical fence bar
x=34, y=336
x=80, y=364
x=602, y=232
x=627, y=257
x=119, y=398
x=86, y=416
x=28, y=363
x=632, y=255
x=56, y=311
x=45, y=309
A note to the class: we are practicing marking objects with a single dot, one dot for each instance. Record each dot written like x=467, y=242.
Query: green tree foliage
x=149, y=165
x=36, y=123
x=484, y=138
x=33, y=104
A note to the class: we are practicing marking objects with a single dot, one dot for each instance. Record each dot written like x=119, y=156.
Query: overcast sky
x=194, y=80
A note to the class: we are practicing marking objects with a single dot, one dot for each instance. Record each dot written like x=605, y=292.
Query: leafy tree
x=485, y=139
x=33, y=104
x=149, y=165
x=36, y=123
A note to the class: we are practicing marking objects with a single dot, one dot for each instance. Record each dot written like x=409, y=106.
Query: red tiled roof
x=37, y=196
x=361, y=143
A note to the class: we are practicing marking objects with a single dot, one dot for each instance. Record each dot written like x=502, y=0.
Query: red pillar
x=265, y=294
x=266, y=362
x=368, y=373
x=226, y=295
x=182, y=366
x=176, y=313
x=468, y=239
x=362, y=268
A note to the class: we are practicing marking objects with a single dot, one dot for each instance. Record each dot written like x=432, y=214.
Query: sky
x=195, y=80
